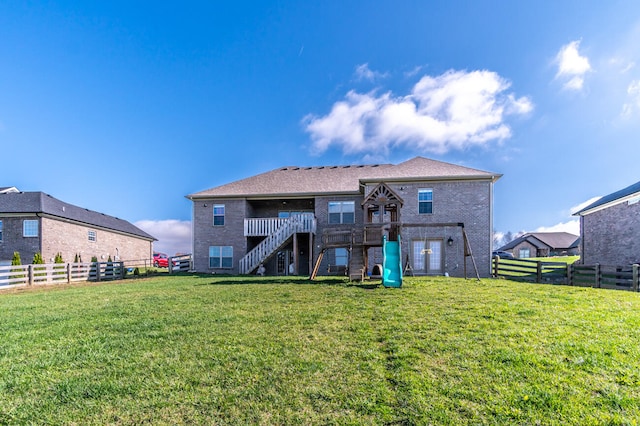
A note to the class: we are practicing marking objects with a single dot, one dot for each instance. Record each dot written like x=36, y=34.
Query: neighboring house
x=610, y=228
x=33, y=222
x=292, y=219
x=7, y=189
x=543, y=244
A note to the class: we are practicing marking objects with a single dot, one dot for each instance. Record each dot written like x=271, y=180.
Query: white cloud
x=174, y=236
x=581, y=206
x=363, y=72
x=454, y=110
x=633, y=99
x=572, y=227
x=572, y=67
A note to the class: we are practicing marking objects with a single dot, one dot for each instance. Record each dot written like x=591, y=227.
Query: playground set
x=382, y=228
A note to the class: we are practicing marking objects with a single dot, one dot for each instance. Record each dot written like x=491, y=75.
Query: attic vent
x=321, y=167
x=346, y=167
x=296, y=168
x=374, y=165
x=308, y=168
x=333, y=167
x=284, y=170
x=360, y=167
x=62, y=208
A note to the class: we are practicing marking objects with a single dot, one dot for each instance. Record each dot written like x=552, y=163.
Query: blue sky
x=127, y=107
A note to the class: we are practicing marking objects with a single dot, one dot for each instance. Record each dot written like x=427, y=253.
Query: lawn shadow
x=253, y=279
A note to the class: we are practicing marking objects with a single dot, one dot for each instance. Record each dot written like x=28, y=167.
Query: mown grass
x=229, y=350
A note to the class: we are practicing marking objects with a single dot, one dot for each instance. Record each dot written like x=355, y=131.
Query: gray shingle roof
x=553, y=240
x=293, y=180
x=39, y=202
x=628, y=191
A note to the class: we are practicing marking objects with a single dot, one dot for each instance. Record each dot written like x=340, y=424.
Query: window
x=92, y=236
x=218, y=215
x=342, y=256
x=221, y=257
x=425, y=201
x=0, y=230
x=342, y=212
x=524, y=253
x=30, y=228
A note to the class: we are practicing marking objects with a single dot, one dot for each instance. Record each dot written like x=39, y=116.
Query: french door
x=428, y=256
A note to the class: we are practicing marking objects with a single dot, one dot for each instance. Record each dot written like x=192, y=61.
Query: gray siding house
x=33, y=222
x=610, y=228
x=331, y=220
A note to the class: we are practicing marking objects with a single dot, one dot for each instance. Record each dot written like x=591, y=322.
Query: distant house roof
x=552, y=240
x=306, y=181
x=41, y=203
x=629, y=193
x=5, y=189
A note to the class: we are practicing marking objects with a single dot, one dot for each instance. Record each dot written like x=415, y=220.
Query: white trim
x=631, y=197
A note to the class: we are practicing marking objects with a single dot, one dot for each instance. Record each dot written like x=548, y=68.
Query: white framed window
x=221, y=257
x=92, y=236
x=524, y=253
x=425, y=201
x=218, y=215
x=342, y=212
x=30, y=228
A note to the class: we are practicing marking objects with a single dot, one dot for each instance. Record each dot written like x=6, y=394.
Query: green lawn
x=221, y=350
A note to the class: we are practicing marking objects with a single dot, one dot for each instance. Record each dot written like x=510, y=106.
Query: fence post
x=634, y=285
x=30, y=274
x=597, y=275
x=68, y=273
x=496, y=260
x=570, y=274
x=539, y=272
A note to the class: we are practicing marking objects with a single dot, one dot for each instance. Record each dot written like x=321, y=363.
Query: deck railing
x=263, y=227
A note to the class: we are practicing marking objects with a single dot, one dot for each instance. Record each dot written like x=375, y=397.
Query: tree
x=16, y=259
x=58, y=258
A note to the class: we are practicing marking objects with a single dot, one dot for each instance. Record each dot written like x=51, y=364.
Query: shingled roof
x=41, y=203
x=305, y=181
x=621, y=196
x=553, y=240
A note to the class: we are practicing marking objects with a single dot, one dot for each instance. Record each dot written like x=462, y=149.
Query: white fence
x=59, y=273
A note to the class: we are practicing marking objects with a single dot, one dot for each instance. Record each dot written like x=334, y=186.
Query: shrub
x=37, y=259
x=16, y=259
x=58, y=258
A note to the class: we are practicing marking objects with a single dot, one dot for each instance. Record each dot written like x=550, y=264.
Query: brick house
x=610, y=228
x=33, y=222
x=543, y=244
x=293, y=218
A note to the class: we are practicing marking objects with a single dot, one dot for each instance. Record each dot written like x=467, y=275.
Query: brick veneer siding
x=12, y=239
x=230, y=234
x=611, y=236
x=68, y=238
x=533, y=251
x=468, y=202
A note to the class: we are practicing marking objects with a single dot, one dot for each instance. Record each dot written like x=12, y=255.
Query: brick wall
x=12, y=240
x=56, y=236
x=611, y=236
x=231, y=234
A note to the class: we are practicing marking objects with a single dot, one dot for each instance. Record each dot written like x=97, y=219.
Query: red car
x=160, y=260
